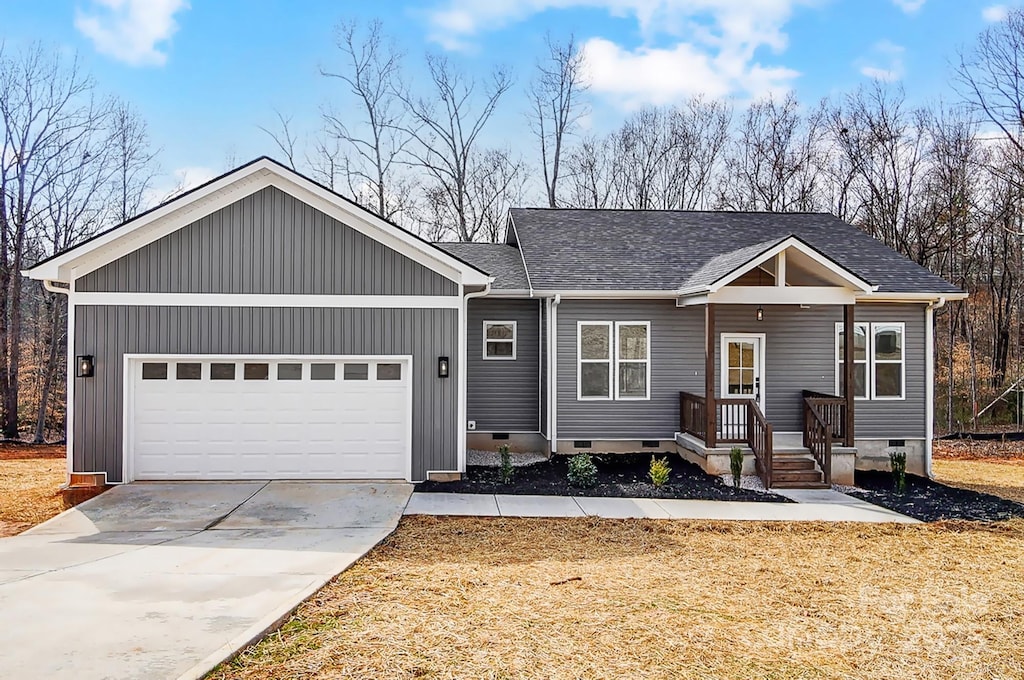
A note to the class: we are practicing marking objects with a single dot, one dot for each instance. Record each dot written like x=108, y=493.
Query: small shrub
x=582, y=471
x=507, y=470
x=660, y=471
x=736, y=465
x=898, y=464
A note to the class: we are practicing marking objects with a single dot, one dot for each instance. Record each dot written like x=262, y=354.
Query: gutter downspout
x=464, y=368
x=929, y=383
x=553, y=373
x=69, y=411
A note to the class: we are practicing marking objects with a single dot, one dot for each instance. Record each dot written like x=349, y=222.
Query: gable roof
x=502, y=261
x=194, y=204
x=667, y=250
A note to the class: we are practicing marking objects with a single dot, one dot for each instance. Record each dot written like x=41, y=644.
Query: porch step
x=793, y=464
x=800, y=485
x=803, y=476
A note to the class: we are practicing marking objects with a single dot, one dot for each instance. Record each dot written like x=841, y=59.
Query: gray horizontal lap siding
x=504, y=396
x=110, y=332
x=269, y=242
x=677, y=351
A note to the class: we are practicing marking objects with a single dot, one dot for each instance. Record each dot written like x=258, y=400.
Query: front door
x=742, y=374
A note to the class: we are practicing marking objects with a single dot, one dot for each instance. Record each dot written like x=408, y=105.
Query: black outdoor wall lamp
x=760, y=313
x=85, y=366
x=442, y=367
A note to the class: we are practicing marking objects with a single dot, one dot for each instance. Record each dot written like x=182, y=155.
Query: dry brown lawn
x=525, y=598
x=30, y=477
x=990, y=467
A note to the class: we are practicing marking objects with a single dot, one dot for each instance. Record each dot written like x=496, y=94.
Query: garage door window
x=222, y=371
x=289, y=371
x=321, y=372
x=256, y=372
x=189, y=371
x=153, y=371
x=389, y=371
x=356, y=372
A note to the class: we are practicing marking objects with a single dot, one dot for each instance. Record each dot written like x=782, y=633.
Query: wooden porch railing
x=732, y=420
x=693, y=415
x=759, y=439
x=832, y=410
x=818, y=437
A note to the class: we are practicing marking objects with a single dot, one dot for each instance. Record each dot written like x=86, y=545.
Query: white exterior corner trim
x=268, y=300
x=223, y=191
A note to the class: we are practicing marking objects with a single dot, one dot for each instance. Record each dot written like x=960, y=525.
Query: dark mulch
x=930, y=501
x=618, y=475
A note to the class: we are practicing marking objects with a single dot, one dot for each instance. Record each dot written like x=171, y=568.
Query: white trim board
x=261, y=300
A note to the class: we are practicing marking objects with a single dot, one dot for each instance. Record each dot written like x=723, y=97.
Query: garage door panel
x=265, y=429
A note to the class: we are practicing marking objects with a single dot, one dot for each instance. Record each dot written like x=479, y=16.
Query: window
x=188, y=371
x=154, y=371
x=879, y=371
x=222, y=371
x=595, y=360
x=289, y=371
x=860, y=360
x=321, y=372
x=355, y=372
x=888, y=360
x=389, y=371
x=633, y=360
x=500, y=340
x=256, y=372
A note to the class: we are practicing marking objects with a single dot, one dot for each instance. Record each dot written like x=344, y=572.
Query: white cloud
x=909, y=6
x=177, y=183
x=689, y=46
x=995, y=13
x=131, y=31
x=884, y=63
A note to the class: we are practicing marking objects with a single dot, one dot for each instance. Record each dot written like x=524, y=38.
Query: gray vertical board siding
x=267, y=243
x=110, y=332
x=543, y=368
x=800, y=354
x=501, y=395
x=905, y=418
x=677, y=355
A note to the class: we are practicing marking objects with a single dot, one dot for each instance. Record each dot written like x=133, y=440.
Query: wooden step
x=804, y=476
x=800, y=485
x=793, y=464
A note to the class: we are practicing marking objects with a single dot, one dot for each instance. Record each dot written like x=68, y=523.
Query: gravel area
x=477, y=458
x=749, y=482
x=931, y=501
x=621, y=475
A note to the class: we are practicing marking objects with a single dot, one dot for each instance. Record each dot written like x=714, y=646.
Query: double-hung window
x=500, y=340
x=879, y=370
x=613, y=360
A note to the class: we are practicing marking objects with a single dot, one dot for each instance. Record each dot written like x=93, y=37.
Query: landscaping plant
x=898, y=463
x=736, y=465
x=660, y=471
x=582, y=471
x=506, y=464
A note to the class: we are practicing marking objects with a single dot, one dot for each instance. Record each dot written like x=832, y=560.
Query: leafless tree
x=555, y=97
x=284, y=139
x=445, y=127
x=133, y=160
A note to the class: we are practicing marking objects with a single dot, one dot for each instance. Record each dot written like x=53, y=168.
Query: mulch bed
x=931, y=501
x=618, y=475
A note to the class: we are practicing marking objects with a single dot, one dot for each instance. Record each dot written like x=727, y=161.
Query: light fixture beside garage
x=85, y=367
x=442, y=367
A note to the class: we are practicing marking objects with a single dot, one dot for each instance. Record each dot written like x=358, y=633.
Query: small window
x=321, y=372
x=860, y=360
x=633, y=360
x=595, y=360
x=154, y=371
x=389, y=371
x=500, y=340
x=256, y=372
x=888, y=357
x=190, y=371
x=222, y=371
x=356, y=372
x=289, y=371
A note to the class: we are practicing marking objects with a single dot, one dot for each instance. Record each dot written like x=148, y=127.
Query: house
x=261, y=326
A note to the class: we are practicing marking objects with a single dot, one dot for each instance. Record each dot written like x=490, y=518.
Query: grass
x=990, y=467
x=523, y=598
x=30, y=486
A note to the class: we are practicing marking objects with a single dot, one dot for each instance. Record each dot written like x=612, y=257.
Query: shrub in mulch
x=931, y=501
x=618, y=475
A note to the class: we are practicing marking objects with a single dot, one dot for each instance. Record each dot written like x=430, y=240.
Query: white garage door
x=269, y=418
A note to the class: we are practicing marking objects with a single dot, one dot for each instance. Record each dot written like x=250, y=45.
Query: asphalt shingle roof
x=567, y=249
x=501, y=261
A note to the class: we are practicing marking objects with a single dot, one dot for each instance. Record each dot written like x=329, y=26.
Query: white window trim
x=761, y=373
x=902, y=362
x=514, y=340
x=869, y=370
x=866, y=362
x=646, y=360
x=580, y=360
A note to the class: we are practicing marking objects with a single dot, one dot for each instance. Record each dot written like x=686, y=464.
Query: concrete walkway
x=811, y=506
x=154, y=580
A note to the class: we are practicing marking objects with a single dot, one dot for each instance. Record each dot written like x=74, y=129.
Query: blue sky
x=206, y=74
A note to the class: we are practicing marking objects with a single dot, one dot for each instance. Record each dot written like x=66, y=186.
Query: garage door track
x=165, y=580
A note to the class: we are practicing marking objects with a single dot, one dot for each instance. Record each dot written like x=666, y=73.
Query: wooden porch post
x=710, y=410
x=848, y=366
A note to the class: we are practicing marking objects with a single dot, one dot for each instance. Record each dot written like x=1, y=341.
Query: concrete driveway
x=165, y=580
